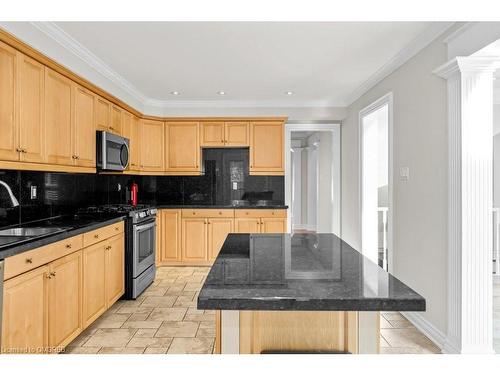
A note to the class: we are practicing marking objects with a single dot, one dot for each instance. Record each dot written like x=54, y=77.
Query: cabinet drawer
x=260, y=213
x=100, y=234
x=207, y=212
x=32, y=259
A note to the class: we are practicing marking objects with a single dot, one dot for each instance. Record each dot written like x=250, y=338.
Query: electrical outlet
x=404, y=174
x=119, y=187
x=235, y=186
x=33, y=192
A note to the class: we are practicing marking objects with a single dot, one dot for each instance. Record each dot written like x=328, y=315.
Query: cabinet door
x=58, y=118
x=25, y=311
x=84, y=128
x=183, y=147
x=94, y=281
x=267, y=148
x=30, y=109
x=250, y=225
x=116, y=120
x=218, y=229
x=237, y=134
x=115, y=269
x=65, y=299
x=152, y=145
x=9, y=139
x=130, y=130
x=212, y=134
x=273, y=225
x=102, y=114
x=194, y=240
x=169, y=236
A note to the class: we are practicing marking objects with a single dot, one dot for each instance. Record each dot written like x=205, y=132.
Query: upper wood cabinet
x=212, y=134
x=25, y=311
x=84, y=127
x=182, y=140
x=224, y=134
x=237, y=134
x=30, y=114
x=116, y=120
x=58, y=118
x=102, y=114
x=152, y=146
x=131, y=130
x=267, y=148
x=168, y=236
x=9, y=139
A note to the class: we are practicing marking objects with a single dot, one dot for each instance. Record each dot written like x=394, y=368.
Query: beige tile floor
x=164, y=319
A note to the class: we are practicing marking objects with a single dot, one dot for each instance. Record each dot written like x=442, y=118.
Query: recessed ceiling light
x=289, y=92
x=221, y=92
x=175, y=93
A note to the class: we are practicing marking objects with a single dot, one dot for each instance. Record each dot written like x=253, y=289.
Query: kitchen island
x=301, y=293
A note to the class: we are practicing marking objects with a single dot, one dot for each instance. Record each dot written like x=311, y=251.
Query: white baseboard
x=428, y=329
x=311, y=228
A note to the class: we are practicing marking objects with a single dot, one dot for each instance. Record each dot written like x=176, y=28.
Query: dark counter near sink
x=301, y=272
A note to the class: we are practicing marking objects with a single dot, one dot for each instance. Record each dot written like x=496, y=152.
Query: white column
x=470, y=151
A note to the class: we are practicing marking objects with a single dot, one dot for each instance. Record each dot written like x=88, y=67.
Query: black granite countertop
x=242, y=207
x=301, y=272
x=73, y=225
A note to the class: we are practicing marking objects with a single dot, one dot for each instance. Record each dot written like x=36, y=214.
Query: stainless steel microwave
x=112, y=152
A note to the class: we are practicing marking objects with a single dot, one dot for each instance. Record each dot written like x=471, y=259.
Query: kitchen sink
x=30, y=232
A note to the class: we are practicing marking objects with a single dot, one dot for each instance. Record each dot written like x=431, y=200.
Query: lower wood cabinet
x=25, y=304
x=45, y=308
x=65, y=299
x=195, y=236
x=103, y=277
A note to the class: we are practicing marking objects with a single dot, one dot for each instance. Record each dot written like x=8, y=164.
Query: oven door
x=144, y=242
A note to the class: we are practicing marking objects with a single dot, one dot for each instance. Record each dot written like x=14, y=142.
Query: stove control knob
x=142, y=214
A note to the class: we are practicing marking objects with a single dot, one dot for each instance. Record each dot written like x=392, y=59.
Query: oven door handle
x=140, y=228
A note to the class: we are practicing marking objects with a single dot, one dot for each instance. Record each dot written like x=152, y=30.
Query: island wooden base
x=256, y=332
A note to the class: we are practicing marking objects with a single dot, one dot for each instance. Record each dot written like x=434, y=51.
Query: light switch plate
x=404, y=173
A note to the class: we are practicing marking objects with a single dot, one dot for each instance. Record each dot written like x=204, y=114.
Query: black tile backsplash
x=225, y=179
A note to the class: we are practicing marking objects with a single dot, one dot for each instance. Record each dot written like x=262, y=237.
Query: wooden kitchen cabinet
x=237, y=134
x=152, y=146
x=247, y=225
x=267, y=148
x=102, y=114
x=218, y=229
x=94, y=281
x=168, y=236
x=212, y=134
x=9, y=143
x=116, y=120
x=84, y=127
x=182, y=140
x=273, y=225
x=30, y=114
x=58, y=118
x=65, y=299
x=115, y=269
x=131, y=130
x=25, y=312
x=194, y=240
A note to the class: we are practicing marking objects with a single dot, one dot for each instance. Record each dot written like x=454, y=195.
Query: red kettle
x=134, y=189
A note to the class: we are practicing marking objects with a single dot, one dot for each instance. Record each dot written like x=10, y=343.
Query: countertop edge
x=56, y=237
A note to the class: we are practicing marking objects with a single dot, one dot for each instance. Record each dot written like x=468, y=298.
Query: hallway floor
x=164, y=319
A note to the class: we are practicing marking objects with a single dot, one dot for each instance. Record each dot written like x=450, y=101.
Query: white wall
x=496, y=153
x=420, y=204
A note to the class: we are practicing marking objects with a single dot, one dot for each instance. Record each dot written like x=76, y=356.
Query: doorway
x=312, y=178
x=375, y=122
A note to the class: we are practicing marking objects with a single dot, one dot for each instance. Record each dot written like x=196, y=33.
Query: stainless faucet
x=13, y=201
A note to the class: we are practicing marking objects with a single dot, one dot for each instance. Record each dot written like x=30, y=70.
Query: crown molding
x=76, y=48
x=416, y=45
x=240, y=104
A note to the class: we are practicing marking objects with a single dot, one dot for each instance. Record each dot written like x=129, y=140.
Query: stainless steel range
x=140, y=244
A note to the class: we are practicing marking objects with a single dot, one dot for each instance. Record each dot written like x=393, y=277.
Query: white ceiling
x=255, y=63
